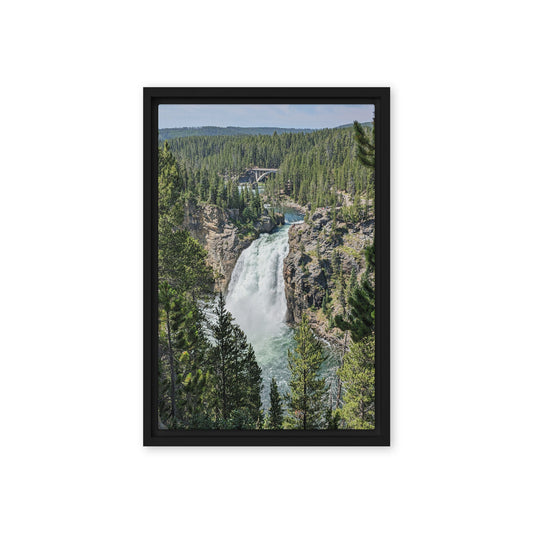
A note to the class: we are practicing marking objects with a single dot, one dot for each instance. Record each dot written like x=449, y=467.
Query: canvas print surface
x=266, y=267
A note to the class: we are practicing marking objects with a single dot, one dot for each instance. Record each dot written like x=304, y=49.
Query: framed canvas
x=266, y=266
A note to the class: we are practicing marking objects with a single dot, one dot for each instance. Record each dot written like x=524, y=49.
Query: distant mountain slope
x=166, y=134
x=173, y=133
x=367, y=124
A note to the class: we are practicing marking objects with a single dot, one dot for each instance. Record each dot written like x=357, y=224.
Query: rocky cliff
x=216, y=231
x=322, y=256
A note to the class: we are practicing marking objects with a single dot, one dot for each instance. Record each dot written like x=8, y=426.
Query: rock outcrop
x=309, y=268
x=216, y=231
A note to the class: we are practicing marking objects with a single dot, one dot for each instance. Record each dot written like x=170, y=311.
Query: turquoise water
x=256, y=298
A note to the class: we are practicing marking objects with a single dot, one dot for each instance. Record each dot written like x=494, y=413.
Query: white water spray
x=256, y=293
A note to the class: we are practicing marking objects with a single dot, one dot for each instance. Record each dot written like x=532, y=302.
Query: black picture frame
x=380, y=97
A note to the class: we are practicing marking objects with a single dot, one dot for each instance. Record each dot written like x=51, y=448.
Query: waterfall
x=256, y=293
x=256, y=299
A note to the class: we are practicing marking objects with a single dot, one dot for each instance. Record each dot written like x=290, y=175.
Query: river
x=256, y=299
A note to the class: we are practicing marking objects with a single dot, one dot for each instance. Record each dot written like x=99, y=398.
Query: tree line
x=314, y=168
x=171, y=133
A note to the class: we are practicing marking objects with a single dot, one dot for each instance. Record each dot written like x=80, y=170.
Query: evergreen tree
x=356, y=374
x=306, y=397
x=361, y=314
x=366, y=145
x=169, y=181
x=182, y=382
x=275, y=413
x=237, y=376
x=370, y=256
x=358, y=379
x=182, y=260
x=247, y=393
x=341, y=288
x=223, y=360
x=333, y=419
x=167, y=301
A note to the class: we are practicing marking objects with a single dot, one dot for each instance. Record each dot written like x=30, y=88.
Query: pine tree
x=325, y=303
x=275, y=413
x=361, y=315
x=358, y=379
x=248, y=383
x=237, y=376
x=223, y=357
x=182, y=260
x=167, y=301
x=370, y=256
x=365, y=145
x=336, y=264
x=170, y=182
x=333, y=419
x=306, y=397
x=356, y=373
x=182, y=382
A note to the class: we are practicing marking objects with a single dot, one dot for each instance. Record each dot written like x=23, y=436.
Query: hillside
x=166, y=134
x=350, y=125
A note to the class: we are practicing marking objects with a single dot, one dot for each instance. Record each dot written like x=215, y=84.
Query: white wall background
x=71, y=306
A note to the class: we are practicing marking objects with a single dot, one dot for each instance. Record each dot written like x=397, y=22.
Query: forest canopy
x=314, y=168
x=209, y=376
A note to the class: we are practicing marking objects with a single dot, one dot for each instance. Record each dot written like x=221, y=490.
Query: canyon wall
x=309, y=269
x=216, y=230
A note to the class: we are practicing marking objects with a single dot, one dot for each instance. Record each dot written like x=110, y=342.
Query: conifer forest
x=266, y=278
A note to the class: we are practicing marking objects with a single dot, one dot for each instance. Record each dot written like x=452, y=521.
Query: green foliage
x=370, y=257
x=182, y=260
x=325, y=302
x=240, y=418
x=275, y=413
x=305, y=400
x=173, y=133
x=183, y=385
x=251, y=384
x=361, y=314
x=181, y=181
x=237, y=376
x=313, y=167
x=333, y=419
x=357, y=369
x=205, y=386
x=208, y=385
x=358, y=380
x=365, y=145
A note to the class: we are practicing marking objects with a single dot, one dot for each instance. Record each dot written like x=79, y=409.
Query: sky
x=263, y=115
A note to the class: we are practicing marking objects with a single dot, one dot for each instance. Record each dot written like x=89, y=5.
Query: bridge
x=262, y=173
